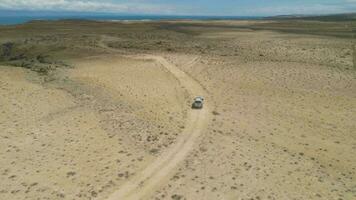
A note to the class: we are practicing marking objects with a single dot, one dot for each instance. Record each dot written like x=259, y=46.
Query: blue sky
x=187, y=7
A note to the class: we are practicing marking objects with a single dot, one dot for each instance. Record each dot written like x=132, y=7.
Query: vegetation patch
x=15, y=54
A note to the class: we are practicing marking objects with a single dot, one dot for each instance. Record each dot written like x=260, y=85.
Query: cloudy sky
x=187, y=7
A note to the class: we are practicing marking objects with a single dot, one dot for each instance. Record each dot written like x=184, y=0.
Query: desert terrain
x=102, y=110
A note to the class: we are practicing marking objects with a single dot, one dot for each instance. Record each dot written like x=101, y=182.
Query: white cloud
x=82, y=5
x=143, y=7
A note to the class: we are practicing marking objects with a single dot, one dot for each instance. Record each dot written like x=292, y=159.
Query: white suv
x=198, y=103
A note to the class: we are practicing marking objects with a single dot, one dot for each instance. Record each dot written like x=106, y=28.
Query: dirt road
x=145, y=182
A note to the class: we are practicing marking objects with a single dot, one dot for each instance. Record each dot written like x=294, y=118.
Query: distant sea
x=12, y=20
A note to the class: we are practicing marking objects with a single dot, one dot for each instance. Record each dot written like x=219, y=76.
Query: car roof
x=199, y=99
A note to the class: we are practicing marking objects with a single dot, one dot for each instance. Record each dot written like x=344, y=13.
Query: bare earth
x=106, y=113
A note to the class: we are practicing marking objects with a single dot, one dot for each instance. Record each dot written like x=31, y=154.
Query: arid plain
x=102, y=110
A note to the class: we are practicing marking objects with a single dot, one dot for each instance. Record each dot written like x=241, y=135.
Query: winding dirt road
x=154, y=175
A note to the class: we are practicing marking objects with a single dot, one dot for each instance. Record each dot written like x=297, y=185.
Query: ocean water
x=12, y=19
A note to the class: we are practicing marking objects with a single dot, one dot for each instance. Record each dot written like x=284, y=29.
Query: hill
x=333, y=17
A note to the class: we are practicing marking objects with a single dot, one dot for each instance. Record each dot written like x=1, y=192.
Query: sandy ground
x=282, y=129
x=279, y=121
x=100, y=133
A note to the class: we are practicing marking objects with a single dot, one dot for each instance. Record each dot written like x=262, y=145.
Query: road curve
x=145, y=182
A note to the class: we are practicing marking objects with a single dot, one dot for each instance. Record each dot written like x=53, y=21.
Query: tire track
x=159, y=171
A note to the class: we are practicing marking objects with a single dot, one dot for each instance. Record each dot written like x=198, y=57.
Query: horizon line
x=59, y=13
